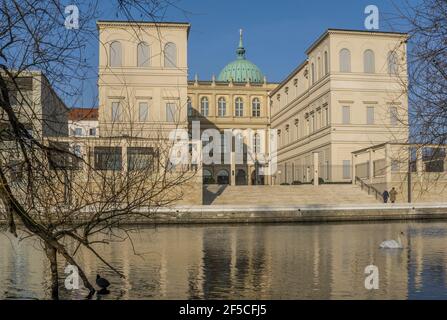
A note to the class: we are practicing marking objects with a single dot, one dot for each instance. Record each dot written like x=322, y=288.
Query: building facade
x=142, y=78
x=349, y=94
x=83, y=122
x=237, y=101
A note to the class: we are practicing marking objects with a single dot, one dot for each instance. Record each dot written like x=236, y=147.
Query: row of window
x=370, y=115
x=369, y=64
x=320, y=119
x=313, y=121
x=143, y=55
x=80, y=132
x=222, y=107
x=143, y=112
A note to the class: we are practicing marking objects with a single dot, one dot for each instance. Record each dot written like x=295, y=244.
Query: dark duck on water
x=103, y=284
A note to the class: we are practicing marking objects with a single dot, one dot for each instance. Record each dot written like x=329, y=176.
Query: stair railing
x=363, y=185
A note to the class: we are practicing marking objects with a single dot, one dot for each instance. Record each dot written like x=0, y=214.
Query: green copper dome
x=241, y=69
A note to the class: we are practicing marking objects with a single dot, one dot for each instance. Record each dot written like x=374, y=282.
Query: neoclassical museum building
x=348, y=94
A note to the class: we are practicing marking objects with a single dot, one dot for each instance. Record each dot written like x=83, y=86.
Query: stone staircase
x=329, y=194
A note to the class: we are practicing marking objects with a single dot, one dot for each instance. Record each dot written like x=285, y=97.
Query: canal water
x=258, y=261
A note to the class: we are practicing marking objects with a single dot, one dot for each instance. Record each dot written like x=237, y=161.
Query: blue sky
x=276, y=33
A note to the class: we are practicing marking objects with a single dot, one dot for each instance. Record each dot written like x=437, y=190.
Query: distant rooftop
x=78, y=114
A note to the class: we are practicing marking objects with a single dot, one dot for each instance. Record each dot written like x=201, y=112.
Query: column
x=419, y=163
x=353, y=168
x=316, y=169
x=233, y=168
x=388, y=175
x=371, y=166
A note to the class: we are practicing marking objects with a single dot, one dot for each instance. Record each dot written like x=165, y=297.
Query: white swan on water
x=392, y=244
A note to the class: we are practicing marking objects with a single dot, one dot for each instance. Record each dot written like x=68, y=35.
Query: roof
x=124, y=23
x=88, y=114
x=323, y=36
x=352, y=31
x=241, y=69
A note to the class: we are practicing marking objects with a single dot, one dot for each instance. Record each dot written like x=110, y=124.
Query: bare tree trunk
x=52, y=258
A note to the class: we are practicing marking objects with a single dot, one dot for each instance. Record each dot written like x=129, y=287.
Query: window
x=313, y=72
x=346, y=115
x=239, y=107
x=326, y=63
x=297, y=128
x=256, y=108
x=204, y=106
x=256, y=143
x=369, y=115
x=116, y=112
x=345, y=60
x=393, y=116
x=171, y=112
x=207, y=177
x=108, y=158
x=143, y=54
x=189, y=106
x=346, y=169
x=394, y=165
x=369, y=62
x=320, y=69
x=392, y=63
x=78, y=131
x=143, y=111
x=92, y=132
x=115, y=54
x=140, y=158
x=170, y=55
x=222, y=107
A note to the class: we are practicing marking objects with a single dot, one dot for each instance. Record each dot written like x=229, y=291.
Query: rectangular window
x=346, y=169
x=108, y=158
x=78, y=132
x=170, y=112
x=143, y=110
x=140, y=158
x=346, y=115
x=92, y=131
x=116, y=114
x=393, y=116
x=369, y=115
x=394, y=165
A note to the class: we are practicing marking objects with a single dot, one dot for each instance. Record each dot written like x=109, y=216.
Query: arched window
x=222, y=107
x=312, y=70
x=239, y=107
x=345, y=60
x=392, y=63
x=369, y=65
x=115, y=54
x=256, y=108
x=320, y=69
x=189, y=107
x=326, y=63
x=207, y=176
x=143, y=54
x=204, y=106
x=170, y=54
x=256, y=143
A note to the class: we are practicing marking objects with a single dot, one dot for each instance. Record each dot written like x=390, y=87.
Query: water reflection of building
x=325, y=261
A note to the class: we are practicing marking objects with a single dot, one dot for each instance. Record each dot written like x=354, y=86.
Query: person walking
x=385, y=196
x=393, y=194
